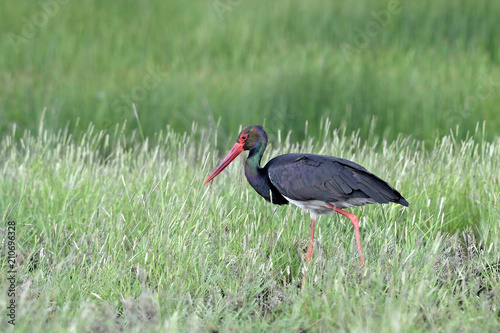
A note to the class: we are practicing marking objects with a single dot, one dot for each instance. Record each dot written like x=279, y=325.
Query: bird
x=318, y=183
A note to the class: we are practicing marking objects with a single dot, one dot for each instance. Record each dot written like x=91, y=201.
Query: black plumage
x=306, y=177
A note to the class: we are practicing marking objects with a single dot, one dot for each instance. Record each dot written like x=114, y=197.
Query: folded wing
x=305, y=177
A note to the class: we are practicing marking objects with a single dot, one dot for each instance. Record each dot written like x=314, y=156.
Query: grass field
x=117, y=234
x=419, y=68
x=112, y=113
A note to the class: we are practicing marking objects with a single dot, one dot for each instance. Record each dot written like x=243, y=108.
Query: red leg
x=310, y=250
x=354, y=220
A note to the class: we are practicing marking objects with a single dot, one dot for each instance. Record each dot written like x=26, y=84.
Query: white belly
x=318, y=207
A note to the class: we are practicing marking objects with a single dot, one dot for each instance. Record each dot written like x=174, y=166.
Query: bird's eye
x=243, y=137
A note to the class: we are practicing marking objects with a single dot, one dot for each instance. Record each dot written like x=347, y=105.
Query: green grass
x=117, y=233
x=432, y=65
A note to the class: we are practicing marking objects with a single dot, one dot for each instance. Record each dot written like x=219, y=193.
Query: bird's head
x=250, y=137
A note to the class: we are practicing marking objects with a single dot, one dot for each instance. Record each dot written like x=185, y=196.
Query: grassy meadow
x=418, y=68
x=131, y=240
x=112, y=114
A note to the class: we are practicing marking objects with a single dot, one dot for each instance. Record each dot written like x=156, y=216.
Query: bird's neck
x=258, y=177
x=252, y=164
x=253, y=171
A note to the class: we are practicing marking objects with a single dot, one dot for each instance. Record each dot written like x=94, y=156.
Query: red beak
x=235, y=151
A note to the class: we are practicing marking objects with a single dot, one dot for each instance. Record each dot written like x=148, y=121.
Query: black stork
x=318, y=183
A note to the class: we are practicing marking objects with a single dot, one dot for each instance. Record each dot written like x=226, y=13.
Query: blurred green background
x=417, y=68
